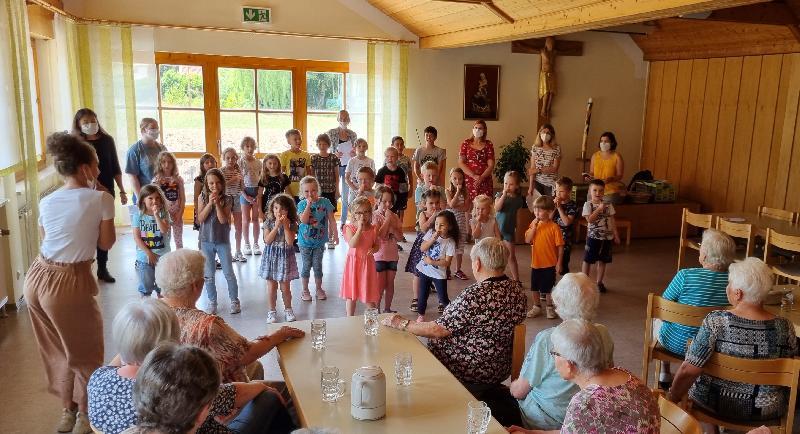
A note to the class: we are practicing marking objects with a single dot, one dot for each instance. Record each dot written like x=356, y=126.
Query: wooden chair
x=773, y=372
x=776, y=213
x=665, y=310
x=518, y=350
x=675, y=420
x=786, y=243
x=739, y=230
x=702, y=221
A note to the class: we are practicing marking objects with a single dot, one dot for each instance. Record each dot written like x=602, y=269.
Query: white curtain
x=387, y=88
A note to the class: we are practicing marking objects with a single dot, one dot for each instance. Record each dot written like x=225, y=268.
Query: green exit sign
x=252, y=14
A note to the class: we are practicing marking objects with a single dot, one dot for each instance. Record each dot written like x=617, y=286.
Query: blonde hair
x=356, y=204
x=227, y=151
x=430, y=165
x=308, y=179
x=483, y=199
x=544, y=202
x=392, y=151
x=163, y=155
x=537, y=142
x=145, y=122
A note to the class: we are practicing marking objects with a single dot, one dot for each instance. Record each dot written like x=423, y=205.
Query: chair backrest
x=518, y=350
x=705, y=221
x=738, y=230
x=675, y=420
x=776, y=213
x=786, y=242
x=666, y=310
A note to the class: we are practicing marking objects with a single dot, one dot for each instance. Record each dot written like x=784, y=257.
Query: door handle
x=4, y=232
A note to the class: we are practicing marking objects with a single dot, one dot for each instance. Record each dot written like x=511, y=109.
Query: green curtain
x=387, y=89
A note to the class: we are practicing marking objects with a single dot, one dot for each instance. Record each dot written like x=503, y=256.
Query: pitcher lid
x=369, y=371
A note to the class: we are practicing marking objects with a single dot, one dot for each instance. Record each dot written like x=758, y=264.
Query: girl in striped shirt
x=234, y=185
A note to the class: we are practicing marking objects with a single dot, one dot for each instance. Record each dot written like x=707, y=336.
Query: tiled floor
x=26, y=407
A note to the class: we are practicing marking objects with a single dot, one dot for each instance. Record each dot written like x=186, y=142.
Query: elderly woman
x=748, y=331
x=473, y=336
x=611, y=399
x=704, y=286
x=543, y=395
x=343, y=141
x=179, y=274
x=137, y=329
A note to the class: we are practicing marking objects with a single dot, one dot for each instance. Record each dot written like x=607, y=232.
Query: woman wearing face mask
x=476, y=159
x=143, y=155
x=607, y=164
x=545, y=160
x=86, y=126
x=343, y=142
x=59, y=286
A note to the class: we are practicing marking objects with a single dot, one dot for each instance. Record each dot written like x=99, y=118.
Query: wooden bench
x=621, y=224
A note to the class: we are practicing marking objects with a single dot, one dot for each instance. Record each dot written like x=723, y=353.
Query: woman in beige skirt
x=60, y=288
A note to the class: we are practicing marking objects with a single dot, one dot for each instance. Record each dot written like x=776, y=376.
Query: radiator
x=6, y=279
x=28, y=225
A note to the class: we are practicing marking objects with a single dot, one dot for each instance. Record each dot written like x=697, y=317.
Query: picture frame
x=481, y=92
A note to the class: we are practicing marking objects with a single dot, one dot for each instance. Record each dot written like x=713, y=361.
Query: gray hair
x=579, y=342
x=718, y=247
x=576, y=297
x=141, y=325
x=492, y=253
x=173, y=386
x=177, y=271
x=753, y=277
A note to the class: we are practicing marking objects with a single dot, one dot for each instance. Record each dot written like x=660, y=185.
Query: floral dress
x=278, y=261
x=477, y=161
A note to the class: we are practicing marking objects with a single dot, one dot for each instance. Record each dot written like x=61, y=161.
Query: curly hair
x=286, y=202
x=69, y=153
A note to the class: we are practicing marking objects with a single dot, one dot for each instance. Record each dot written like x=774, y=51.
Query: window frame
x=41, y=156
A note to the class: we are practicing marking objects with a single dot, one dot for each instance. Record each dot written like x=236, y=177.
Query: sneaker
x=306, y=296
x=256, y=249
x=601, y=287
x=403, y=240
x=399, y=247
x=218, y=265
x=331, y=245
x=460, y=275
x=247, y=250
x=290, y=315
x=105, y=276
x=534, y=312
x=239, y=257
x=67, y=420
x=82, y=425
x=551, y=312
x=272, y=317
x=440, y=308
x=413, y=307
x=236, y=307
x=321, y=295
x=212, y=307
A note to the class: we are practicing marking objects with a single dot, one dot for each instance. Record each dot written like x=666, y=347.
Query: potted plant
x=513, y=156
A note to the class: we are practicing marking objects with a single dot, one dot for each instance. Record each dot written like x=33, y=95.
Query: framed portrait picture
x=481, y=92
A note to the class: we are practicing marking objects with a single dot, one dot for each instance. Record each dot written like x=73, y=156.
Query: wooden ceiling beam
x=586, y=17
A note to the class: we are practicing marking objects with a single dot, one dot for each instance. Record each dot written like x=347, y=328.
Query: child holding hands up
x=544, y=236
x=317, y=227
x=359, y=279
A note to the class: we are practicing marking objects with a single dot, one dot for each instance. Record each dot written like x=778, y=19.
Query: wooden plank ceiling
x=456, y=23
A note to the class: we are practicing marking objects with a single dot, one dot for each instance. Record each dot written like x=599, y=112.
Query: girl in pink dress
x=359, y=279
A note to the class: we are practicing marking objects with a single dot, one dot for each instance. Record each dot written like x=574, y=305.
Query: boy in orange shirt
x=547, y=251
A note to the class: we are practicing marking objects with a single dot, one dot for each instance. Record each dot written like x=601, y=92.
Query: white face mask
x=545, y=137
x=152, y=133
x=477, y=132
x=605, y=146
x=91, y=182
x=343, y=125
x=90, y=129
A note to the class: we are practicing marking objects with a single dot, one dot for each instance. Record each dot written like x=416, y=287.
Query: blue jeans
x=345, y=194
x=425, y=290
x=312, y=257
x=211, y=250
x=264, y=414
x=147, y=278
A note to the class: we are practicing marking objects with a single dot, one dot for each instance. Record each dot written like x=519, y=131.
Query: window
x=324, y=98
x=181, y=107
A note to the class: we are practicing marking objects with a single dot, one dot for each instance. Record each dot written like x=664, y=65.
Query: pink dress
x=359, y=279
x=387, y=245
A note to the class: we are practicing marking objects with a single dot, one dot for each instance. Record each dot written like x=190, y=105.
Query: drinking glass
x=478, y=417
x=403, y=369
x=332, y=386
x=371, y=322
x=318, y=334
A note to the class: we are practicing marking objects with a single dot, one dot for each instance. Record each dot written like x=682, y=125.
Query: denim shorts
x=237, y=206
x=250, y=191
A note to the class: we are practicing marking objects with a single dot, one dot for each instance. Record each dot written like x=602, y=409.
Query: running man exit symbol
x=252, y=14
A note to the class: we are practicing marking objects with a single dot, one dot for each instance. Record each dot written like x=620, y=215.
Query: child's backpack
x=642, y=175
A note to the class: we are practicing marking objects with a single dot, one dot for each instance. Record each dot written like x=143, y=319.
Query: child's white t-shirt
x=441, y=248
x=600, y=229
x=355, y=164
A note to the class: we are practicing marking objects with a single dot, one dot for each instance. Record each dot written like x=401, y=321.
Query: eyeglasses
x=553, y=353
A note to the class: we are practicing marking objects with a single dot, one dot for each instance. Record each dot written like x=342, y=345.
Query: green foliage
x=324, y=91
x=181, y=88
x=514, y=156
x=236, y=88
x=274, y=89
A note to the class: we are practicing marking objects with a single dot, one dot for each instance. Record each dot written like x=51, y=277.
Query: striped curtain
x=387, y=88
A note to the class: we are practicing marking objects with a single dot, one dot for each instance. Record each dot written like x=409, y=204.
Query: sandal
x=413, y=307
x=321, y=295
x=306, y=296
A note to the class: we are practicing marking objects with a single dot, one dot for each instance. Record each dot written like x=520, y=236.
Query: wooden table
x=434, y=402
x=761, y=223
x=792, y=315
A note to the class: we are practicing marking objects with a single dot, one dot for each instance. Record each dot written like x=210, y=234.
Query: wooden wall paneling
x=679, y=113
x=694, y=117
x=761, y=152
x=725, y=127
x=777, y=174
x=743, y=132
x=708, y=130
x=650, y=136
x=667, y=101
x=791, y=138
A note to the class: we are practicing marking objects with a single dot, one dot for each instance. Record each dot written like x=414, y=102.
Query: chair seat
x=661, y=353
x=693, y=243
x=792, y=269
x=702, y=415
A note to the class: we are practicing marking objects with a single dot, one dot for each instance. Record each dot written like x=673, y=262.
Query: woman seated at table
x=137, y=329
x=611, y=400
x=473, y=337
x=745, y=330
x=704, y=286
x=543, y=395
x=179, y=274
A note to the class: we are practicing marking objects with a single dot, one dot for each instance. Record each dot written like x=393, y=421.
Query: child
x=483, y=223
x=171, y=183
x=429, y=152
x=251, y=172
x=234, y=185
x=214, y=216
x=459, y=204
x=151, y=235
x=506, y=205
x=438, y=247
x=317, y=226
x=601, y=229
x=430, y=181
x=278, y=264
x=387, y=255
x=359, y=279
x=366, y=179
x=544, y=236
x=295, y=162
x=325, y=167
x=207, y=161
x=394, y=177
x=355, y=165
x=405, y=163
x=564, y=215
x=273, y=182
x=432, y=200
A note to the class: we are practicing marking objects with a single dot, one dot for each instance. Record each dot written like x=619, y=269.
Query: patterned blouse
x=726, y=333
x=481, y=321
x=542, y=158
x=212, y=334
x=477, y=161
x=629, y=408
